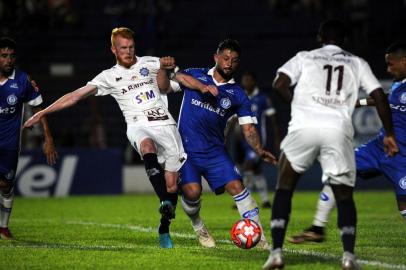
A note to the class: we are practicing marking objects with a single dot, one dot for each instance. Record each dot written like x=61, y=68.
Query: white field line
x=322, y=255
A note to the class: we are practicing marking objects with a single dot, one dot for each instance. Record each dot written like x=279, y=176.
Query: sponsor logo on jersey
x=145, y=96
x=156, y=114
x=7, y=110
x=328, y=101
x=324, y=197
x=135, y=86
x=402, y=183
x=14, y=85
x=251, y=213
x=144, y=72
x=401, y=108
x=230, y=91
x=201, y=78
x=402, y=98
x=225, y=103
x=12, y=99
x=207, y=106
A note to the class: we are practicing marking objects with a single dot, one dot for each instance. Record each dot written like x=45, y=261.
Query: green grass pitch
x=120, y=232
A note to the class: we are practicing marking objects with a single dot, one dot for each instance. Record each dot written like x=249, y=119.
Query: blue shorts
x=8, y=164
x=217, y=168
x=371, y=160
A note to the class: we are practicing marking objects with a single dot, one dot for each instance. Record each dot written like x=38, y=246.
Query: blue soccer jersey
x=203, y=117
x=14, y=92
x=202, y=121
x=371, y=157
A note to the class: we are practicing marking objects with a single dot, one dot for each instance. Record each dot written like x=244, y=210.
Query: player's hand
x=167, y=62
x=268, y=157
x=390, y=146
x=50, y=152
x=211, y=89
x=35, y=119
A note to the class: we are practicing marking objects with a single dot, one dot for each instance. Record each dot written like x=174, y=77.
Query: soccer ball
x=246, y=233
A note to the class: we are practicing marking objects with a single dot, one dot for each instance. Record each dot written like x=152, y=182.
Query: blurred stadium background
x=65, y=43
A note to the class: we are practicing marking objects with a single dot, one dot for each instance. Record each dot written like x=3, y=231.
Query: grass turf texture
x=120, y=232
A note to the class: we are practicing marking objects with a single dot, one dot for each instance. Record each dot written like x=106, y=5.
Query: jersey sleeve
x=32, y=95
x=292, y=68
x=368, y=81
x=100, y=81
x=244, y=111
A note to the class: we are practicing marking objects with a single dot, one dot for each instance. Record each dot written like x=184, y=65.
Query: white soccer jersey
x=136, y=92
x=328, y=80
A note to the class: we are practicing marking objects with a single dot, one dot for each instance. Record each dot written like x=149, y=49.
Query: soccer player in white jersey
x=136, y=84
x=327, y=82
x=16, y=89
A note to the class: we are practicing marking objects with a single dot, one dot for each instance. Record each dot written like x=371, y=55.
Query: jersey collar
x=132, y=67
x=255, y=92
x=331, y=46
x=211, y=72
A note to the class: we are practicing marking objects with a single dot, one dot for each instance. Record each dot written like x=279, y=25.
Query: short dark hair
x=333, y=31
x=398, y=48
x=6, y=42
x=230, y=44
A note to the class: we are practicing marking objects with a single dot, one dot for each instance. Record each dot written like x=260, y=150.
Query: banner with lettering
x=78, y=171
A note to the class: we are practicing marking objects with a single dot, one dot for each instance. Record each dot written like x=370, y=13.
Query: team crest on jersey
x=402, y=183
x=402, y=98
x=12, y=100
x=144, y=72
x=225, y=103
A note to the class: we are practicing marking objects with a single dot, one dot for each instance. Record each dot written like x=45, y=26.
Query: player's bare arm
x=167, y=65
x=64, y=102
x=193, y=83
x=48, y=147
x=281, y=85
x=252, y=137
x=382, y=106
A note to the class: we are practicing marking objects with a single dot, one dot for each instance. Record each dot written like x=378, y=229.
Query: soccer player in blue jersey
x=201, y=124
x=263, y=109
x=16, y=88
x=371, y=159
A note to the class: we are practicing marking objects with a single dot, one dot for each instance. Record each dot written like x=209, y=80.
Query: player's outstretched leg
x=316, y=233
x=6, y=203
x=192, y=209
x=248, y=208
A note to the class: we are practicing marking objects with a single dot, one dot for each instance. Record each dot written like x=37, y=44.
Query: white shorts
x=167, y=140
x=330, y=146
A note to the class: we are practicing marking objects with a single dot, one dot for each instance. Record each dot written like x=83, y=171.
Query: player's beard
x=225, y=76
x=6, y=71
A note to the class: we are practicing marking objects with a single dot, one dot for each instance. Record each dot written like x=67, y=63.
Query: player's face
x=124, y=50
x=248, y=83
x=7, y=61
x=227, y=62
x=396, y=66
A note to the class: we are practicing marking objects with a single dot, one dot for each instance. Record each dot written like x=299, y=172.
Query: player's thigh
x=367, y=159
x=337, y=158
x=301, y=147
x=394, y=169
x=8, y=166
x=219, y=170
x=170, y=148
x=136, y=134
x=190, y=173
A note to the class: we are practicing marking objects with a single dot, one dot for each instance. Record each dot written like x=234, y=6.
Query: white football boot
x=204, y=237
x=349, y=262
x=275, y=260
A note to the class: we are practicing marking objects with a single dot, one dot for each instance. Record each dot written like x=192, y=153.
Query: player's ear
x=216, y=57
x=113, y=49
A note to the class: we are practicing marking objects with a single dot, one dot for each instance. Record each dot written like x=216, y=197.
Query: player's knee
x=191, y=193
x=342, y=192
x=5, y=186
x=234, y=187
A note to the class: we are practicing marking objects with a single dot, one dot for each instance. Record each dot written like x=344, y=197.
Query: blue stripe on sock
x=242, y=196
